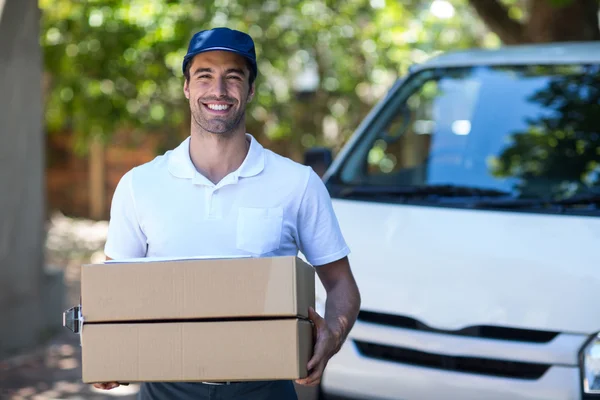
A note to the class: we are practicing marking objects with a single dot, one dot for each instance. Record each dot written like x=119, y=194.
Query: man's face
x=218, y=91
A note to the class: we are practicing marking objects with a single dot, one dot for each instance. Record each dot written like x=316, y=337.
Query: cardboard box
x=220, y=319
x=197, y=289
x=196, y=351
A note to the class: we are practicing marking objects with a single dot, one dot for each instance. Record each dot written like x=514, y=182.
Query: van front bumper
x=353, y=376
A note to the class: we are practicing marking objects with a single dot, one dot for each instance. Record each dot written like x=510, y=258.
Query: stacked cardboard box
x=211, y=320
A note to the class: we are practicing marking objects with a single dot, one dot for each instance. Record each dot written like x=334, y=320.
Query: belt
x=217, y=383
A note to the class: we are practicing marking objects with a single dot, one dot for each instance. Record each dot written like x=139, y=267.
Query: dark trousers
x=263, y=390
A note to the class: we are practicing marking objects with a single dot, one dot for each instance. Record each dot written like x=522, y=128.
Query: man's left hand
x=325, y=347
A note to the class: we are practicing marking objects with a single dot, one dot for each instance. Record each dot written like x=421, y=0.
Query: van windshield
x=530, y=131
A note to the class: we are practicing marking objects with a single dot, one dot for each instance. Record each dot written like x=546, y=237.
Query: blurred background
x=90, y=89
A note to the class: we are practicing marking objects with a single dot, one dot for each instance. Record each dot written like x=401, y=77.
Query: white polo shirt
x=269, y=206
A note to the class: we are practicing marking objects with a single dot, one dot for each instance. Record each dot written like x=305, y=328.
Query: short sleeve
x=320, y=237
x=125, y=237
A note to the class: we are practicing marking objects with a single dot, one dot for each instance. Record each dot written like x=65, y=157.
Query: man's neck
x=216, y=156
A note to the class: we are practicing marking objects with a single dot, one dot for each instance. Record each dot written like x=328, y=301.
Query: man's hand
x=341, y=311
x=326, y=345
x=106, y=385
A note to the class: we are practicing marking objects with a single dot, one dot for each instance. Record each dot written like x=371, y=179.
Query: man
x=221, y=193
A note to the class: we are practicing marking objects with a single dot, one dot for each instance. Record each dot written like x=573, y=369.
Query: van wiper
x=423, y=190
x=577, y=200
x=581, y=199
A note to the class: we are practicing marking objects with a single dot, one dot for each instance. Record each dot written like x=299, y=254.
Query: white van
x=470, y=198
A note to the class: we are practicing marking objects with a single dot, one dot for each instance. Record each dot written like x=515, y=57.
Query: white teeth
x=218, y=107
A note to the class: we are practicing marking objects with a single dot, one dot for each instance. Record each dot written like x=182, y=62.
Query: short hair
x=251, y=78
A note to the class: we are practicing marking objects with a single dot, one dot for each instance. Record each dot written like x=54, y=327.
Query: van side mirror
x=319, y=158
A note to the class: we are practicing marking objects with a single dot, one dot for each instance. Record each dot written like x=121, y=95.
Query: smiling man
x=218, y=111
x=221, y=193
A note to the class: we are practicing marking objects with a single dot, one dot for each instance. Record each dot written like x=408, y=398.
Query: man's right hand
x=106, y=385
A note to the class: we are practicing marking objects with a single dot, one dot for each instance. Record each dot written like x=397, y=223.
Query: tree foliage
x=115, y=65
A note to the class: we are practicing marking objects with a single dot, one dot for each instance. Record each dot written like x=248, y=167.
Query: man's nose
x=220, y=87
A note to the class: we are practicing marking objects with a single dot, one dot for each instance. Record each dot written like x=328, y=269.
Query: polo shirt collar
x=254, y=163
x=180, y=164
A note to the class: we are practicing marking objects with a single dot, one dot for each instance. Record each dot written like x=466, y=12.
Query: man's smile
x=217, y=108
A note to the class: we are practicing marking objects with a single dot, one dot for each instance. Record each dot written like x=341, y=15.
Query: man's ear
x=251, y=92
x=186, y=89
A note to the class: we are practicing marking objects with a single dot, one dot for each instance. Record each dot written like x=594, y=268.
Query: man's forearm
x=341, y=309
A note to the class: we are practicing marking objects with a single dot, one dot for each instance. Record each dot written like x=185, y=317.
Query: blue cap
x=222, y=39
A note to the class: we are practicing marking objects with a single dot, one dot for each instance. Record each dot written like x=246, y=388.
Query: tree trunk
x=576, y=20
x=30, y=298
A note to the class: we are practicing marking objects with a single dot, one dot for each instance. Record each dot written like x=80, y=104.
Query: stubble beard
x=224, y=126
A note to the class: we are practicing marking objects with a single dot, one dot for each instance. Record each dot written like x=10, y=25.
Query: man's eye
x=204, y=76
x=235, y=77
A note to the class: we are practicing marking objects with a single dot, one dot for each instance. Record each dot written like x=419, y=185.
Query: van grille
x=481, y=331
x=473, y=365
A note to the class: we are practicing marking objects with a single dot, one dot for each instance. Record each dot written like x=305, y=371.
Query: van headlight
x=590, y=365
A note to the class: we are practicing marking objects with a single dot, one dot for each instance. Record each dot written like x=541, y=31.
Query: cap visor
x=190, y=55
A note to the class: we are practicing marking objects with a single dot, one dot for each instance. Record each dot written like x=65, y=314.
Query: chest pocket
x=259, y=229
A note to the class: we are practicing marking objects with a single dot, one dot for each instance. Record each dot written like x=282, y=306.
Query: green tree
x=115, y=65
